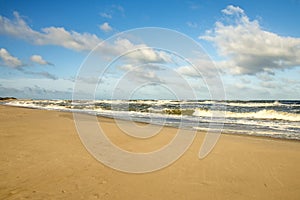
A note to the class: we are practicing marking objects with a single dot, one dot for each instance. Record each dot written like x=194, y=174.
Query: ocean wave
x=283, y=119
x=254, y=104
x=262, y=114
x=269, y=114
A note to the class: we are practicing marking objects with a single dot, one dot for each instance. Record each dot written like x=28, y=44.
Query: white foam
x=262, y=114
x=285, y=124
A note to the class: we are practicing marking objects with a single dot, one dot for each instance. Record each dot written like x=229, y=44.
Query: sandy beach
x=42, y=157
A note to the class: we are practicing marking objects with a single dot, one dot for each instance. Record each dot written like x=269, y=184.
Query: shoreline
x=42, y=157
x=198, y=131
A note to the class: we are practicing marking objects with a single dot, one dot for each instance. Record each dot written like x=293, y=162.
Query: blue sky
x=254, y=44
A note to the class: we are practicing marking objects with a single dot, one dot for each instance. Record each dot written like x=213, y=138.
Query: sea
x=270, y=118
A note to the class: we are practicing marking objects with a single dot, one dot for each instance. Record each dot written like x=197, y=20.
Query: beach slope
x=42, y=157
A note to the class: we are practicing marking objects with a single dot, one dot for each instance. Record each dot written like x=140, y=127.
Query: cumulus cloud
x=39, y=60
x=15, y=63
x=105, y=27
x=146, y=54
x=231, y=10
x=48, y=36
x=141, y=73
x=187, y=71
x=58, y=36
x=8, y=59
x=248, y=48
x=201, y=66
x=135, y=53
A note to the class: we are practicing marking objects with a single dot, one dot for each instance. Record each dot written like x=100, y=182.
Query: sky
x=246, y=50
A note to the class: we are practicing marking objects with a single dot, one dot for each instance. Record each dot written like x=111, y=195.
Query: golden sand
x=42, y=157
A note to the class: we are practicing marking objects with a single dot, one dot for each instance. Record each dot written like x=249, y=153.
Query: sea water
x=278, y=119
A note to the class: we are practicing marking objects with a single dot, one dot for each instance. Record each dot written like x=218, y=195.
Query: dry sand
x=42, y=157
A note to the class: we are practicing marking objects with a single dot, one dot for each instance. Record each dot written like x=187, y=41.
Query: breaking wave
x=262, y=114
x=265, y=118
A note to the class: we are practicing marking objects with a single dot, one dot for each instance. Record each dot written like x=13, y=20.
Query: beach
x=42, y=157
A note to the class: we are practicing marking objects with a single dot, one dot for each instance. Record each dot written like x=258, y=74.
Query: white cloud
x=187, y=71
x=231, y=10
x=106, y=15
x=39, y=60
x=201, y=67
x=14, y=62
x=146, y=54
x=270, y=85
x=105, y=27
x=245, y=80
x=58, y=36
x=135, y=53
x=141, y=73
x=265, y=77
x=8, y=59
x=48, y=36
x=248, y=49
